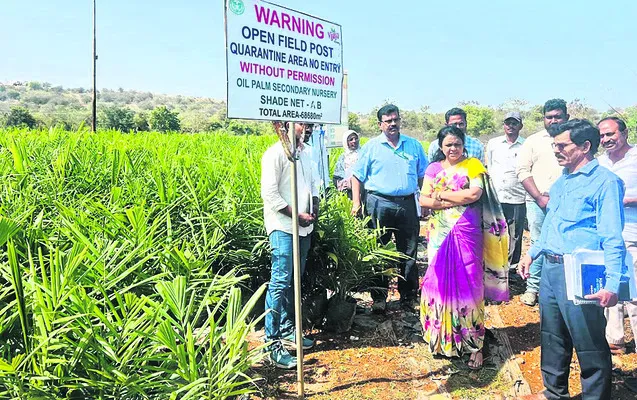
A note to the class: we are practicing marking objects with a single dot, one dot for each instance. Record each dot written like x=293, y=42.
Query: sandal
x=476, y=360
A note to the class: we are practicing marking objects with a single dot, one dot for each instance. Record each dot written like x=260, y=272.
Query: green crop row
x=124, y=258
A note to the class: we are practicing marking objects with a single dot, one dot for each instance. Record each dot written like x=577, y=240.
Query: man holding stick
x=277, y=199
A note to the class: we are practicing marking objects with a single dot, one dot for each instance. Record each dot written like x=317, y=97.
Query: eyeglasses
x=561, y=146
x=512, y=122
x=390, y=121
x=459, y=124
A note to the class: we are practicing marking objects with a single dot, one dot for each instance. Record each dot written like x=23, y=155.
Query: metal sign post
x=296, y=75
x=296, y=253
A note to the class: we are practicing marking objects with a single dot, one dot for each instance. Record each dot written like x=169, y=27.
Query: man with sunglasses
x=458, y=117
x=391, y=168
x=502, y=154
x=538, y=169
x=585, y=210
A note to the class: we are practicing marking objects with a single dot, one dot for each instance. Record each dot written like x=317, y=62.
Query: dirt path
x=384, y=357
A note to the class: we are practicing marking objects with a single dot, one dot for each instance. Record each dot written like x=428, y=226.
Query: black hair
x=554, y=104
x=581, y=131
x=386, y=110
x=455, y=111
x=620, y=123
x=442, y=134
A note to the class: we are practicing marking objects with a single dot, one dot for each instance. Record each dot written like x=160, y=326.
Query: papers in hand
x=585, y=274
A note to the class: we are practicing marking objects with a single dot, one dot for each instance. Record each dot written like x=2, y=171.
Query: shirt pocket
x=573, y=208
x=412, y=166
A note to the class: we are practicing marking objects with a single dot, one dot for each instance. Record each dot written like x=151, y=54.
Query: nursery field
x=131, y=264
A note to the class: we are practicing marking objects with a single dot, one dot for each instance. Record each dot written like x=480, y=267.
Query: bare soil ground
x=384, y=357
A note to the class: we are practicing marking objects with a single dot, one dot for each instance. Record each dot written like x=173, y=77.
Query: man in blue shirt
x=391, y=167
x=584, y=211
x=458, y=117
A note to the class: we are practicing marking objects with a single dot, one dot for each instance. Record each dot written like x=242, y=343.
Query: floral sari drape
x=467, y=251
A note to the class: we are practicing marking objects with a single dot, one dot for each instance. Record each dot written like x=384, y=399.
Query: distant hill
x=71, y=106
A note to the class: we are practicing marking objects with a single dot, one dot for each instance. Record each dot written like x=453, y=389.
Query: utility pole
x=94, y=105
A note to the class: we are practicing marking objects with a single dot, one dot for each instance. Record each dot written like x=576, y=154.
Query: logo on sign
x=236, y=6
x=334, y=36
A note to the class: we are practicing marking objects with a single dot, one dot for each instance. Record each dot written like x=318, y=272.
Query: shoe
x=379, y=306
x=280, y=357
x=290, y=341
x=529, y=298
x=617, y=349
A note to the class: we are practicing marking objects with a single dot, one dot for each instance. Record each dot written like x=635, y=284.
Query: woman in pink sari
x=467, y=250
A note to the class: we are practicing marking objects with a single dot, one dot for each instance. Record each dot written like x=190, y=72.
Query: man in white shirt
x=621, y=158
x=538, y=169
x=277, y=199
x=502, y=154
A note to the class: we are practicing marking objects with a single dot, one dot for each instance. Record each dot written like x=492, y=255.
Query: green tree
x=118, y=118
x=20, y=117
x=34, y=85
x=480, y=120
x=163, y=120
x=354, y=122
x=140, y=120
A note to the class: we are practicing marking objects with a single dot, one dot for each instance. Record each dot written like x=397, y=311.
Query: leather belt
x=392, y=198
x=554, y=258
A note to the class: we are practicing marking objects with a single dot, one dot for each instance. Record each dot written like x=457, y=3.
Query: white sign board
x=282, y=64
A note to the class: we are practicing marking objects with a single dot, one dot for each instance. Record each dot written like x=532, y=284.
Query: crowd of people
x=476, y=201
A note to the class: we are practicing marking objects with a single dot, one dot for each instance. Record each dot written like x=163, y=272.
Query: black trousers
x=515, y=215
x=400, y=218
x=564, y=325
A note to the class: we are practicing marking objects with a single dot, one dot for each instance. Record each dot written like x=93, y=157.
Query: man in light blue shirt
x=585, y=210
x=391, y=167
x=458, y=117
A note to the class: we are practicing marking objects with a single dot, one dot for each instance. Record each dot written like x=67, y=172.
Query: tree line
x=40, y=104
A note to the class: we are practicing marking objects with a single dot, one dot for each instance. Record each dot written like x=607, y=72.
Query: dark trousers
x=564, y=325
x=400, y=218
x=515, y=215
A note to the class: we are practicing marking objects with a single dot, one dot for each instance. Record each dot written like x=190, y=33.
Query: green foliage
x=354, y=122
x=141, y=122
x=122, y=258
x=117, y=118
x=346, y=256
x=480, y=120
x=119, y=258
x=34, y=85
x=13, y=94
x=163, y=120
x=20, y=117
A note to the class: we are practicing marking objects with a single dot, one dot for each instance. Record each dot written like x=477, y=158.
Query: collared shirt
x=537, y=160
x=626, y=169
x=388, y=170
x=473, y=146
x=585, y=210
x=276, y=190
x=501, y=163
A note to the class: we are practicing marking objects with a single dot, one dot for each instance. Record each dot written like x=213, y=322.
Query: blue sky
x=415, y=53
